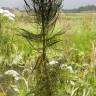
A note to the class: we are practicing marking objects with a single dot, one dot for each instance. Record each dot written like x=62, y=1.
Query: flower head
x=8, y=14
x=12, y=72
x=1, y=11
x=53, y=62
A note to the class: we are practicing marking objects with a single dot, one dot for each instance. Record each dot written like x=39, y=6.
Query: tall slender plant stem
x=43, y=31
x=46, y=16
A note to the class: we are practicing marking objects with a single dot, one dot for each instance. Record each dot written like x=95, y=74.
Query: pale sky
x=68, y=4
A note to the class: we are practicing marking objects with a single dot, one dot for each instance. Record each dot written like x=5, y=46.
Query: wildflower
x=70, y=69
x=8, y=14
x=1, y=11
x=9, y=17
x=12, y=15
x=6, y=11
x=12, y=72
x=53, y=62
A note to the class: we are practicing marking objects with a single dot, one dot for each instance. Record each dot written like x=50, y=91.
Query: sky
x=68, y=4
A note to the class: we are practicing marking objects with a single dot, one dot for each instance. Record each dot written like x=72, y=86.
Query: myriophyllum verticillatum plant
x=45, y=15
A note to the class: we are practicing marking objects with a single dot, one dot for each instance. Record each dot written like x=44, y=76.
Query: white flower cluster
x=13, y=73
x=62, y=66
x=53, y=62
x=67, y=67
x=8, y=14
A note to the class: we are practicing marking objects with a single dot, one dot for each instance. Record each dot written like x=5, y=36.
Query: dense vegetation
x=71, y=61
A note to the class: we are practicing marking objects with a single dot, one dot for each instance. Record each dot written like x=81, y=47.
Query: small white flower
x=12, y=15
x=17, y=78
x=12, y=73
x=9, y=17
x=6, y=11
x=70, y=69
x=6, y=15
x=9, y=13
x=1, y=11
x=53, y=62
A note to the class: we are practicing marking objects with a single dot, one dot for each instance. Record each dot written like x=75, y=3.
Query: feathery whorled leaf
x=31, y=36
x=52, y=42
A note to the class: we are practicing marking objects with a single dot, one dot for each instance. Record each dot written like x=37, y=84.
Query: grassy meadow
x=76, y=54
